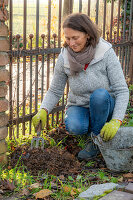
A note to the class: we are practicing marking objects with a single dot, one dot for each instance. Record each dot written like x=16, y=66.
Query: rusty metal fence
x=33, y=56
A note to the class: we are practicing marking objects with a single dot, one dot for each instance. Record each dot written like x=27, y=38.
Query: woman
x=98, y=95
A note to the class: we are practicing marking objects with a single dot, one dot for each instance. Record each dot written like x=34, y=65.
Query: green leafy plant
x=90, y=164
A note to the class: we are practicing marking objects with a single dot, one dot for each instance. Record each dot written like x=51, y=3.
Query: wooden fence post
x=4, y=77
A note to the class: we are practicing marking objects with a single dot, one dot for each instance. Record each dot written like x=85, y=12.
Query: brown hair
x=82, y=22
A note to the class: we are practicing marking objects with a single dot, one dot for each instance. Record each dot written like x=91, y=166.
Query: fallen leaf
x=79, y=190
x=130, y=180
x=34, y=186
x=1, y=191
x=120, y=179
x=34, y=194
x=103, y=168
x=43, y=193
x=73, y=192
x=62, y=177
x=7, y=185
x=66, y=189
x=9, y=167
x=108, y=191
x=25, y=192
x=128, y=175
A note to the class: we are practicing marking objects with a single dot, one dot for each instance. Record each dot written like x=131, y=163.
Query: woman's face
x=76, y=40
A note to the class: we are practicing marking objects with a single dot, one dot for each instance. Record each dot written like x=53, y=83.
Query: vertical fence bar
x=42, y=78
x=97, y=11
x=59, y=23
x=118, y=25
x=118, y=20
x=57, y=113
x=59, y=45
x=114, y=39
x=31, y=37
x=130, y=34
x=10, y=70
x=111, y=22
x=62, y=118
x=48, y=56
x=124, y=21
x=131, y=21
x=71, y=6
x=120, y=51
x=124, y=33
x=104, y=18
x=24, y=62
x=80, y=6
x=126, y=53
x=48, y=41
x=18, y=71
x=37, y=43
x=89, y=4
x=107, y=33
x=54, y=37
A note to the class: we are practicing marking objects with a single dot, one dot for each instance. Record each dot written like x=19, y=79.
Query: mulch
x=60, y=159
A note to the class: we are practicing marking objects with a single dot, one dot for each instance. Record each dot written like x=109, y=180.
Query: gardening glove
x=110, y=129
x=40, y=116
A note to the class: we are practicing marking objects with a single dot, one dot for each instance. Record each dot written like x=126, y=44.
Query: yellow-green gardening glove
x=40, y=116
x=110, y=129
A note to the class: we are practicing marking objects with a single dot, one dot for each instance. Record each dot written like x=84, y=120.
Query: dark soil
x=54, y=160
x=58, y=160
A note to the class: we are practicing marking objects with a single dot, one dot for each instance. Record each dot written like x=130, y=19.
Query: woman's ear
x=88, y=37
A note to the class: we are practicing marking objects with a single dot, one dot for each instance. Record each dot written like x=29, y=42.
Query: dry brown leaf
x=1, y=191
x=66, y=189
x=43, y=193
x=34, y=186
x=130, y=180
x=25, y=192
x=73, y=192
x=128, y=175
x=103, y=168
x=120, y=179
x=62, y=177
x=79, y=190
x=6, y=184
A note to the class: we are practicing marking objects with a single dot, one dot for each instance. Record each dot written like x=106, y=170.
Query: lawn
x=55, y=171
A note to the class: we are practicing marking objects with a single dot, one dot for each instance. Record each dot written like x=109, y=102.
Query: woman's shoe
x=90, y=151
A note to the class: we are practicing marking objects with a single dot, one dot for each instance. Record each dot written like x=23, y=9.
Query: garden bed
x=61, y=159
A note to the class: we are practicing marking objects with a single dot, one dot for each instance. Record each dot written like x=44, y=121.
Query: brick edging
x=4, y=78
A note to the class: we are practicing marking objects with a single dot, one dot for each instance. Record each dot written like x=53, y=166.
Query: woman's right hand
x=40, y=116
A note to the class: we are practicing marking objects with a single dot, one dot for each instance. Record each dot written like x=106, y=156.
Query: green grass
x=21, y=178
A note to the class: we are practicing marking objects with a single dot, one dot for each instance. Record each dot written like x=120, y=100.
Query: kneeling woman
x=98, y=95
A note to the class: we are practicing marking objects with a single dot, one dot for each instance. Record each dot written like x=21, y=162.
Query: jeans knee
x=75, y=128
x=99, y=97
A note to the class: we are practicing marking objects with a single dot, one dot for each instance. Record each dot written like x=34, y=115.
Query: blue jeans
x=80, y=120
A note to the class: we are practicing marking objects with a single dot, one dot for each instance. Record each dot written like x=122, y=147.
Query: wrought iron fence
x=33, y=57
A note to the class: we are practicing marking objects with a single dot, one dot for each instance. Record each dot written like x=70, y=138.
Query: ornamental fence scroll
x=33, y=57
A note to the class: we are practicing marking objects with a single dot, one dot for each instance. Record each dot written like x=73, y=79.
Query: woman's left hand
x=110, y=129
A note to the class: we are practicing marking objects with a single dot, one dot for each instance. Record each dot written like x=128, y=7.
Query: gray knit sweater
x=104, y=71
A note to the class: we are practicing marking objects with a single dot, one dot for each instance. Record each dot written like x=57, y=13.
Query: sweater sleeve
x=57, y=86
x=118, y=84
